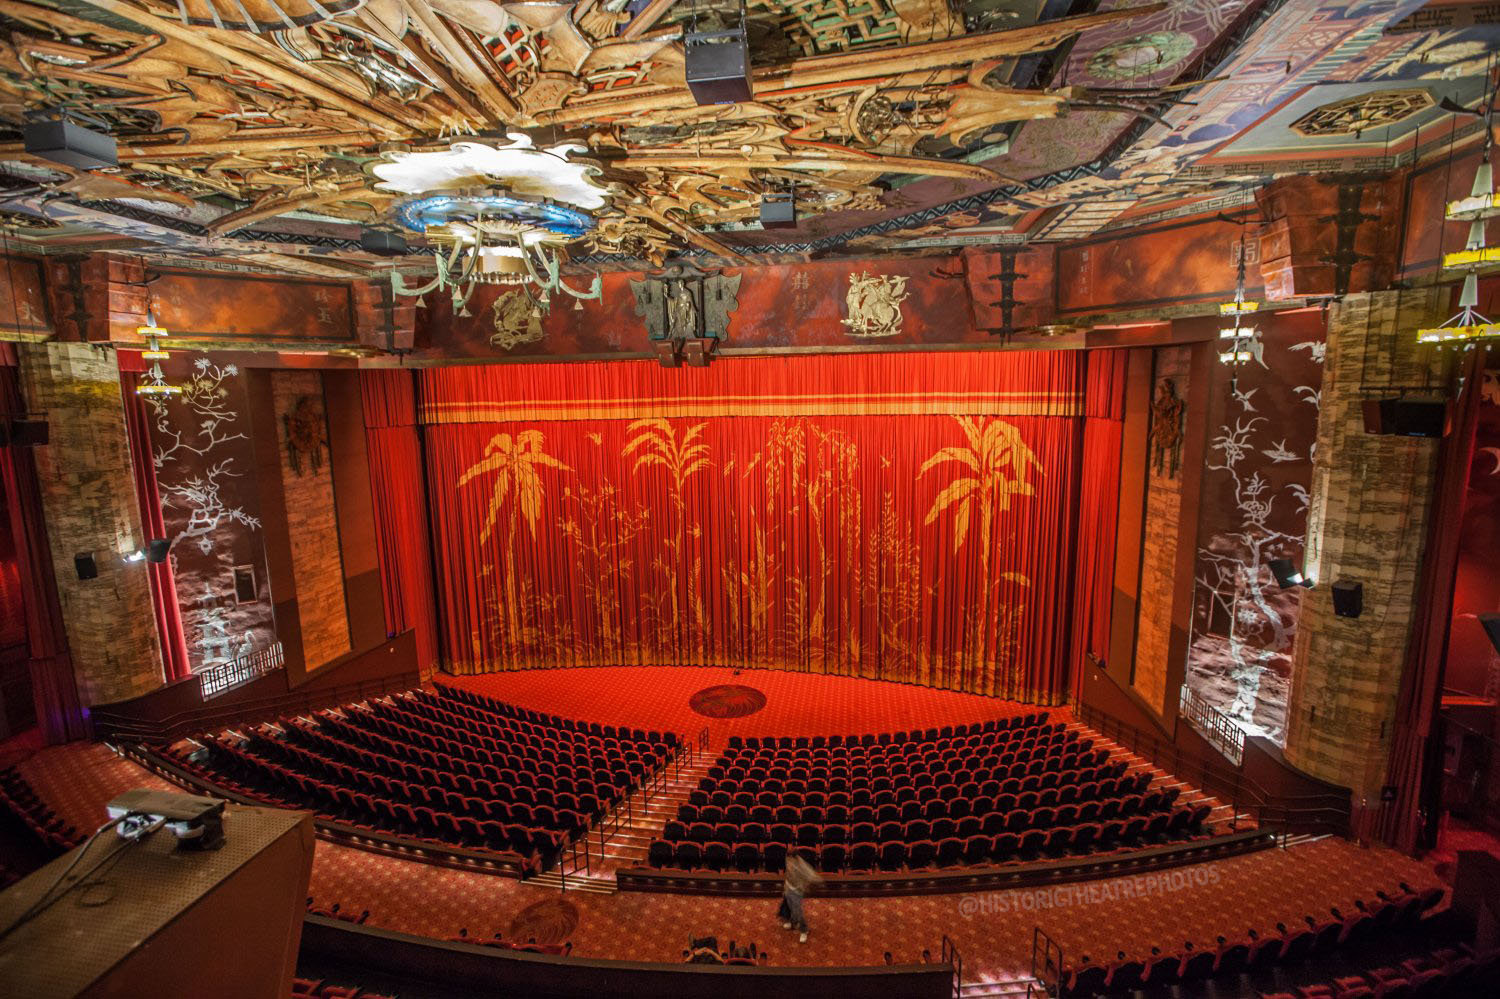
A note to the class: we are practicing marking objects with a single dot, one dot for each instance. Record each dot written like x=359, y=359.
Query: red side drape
x=175, y=662
x=893, y=516
x=1098, y=508
x=400, y=507
x=58, y=710
x=1412, y=755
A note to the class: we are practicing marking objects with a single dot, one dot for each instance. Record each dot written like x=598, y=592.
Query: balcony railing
x=217, y=679
x=1215, y=726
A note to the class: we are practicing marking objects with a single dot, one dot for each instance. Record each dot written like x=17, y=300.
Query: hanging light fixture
x=1239, y=342
x=154, y=382
x=1469, y=326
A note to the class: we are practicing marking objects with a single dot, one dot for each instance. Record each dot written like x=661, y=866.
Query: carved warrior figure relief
x=306, y=436
x=874, y=304
x=1166, y=428
x=516, y=320
x=684, y=303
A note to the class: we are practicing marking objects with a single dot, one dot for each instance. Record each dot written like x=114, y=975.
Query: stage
x=662, y=698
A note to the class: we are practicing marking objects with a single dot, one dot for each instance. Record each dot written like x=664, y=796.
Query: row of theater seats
x=48, y=828
x=1389, y=918
x=316, y=988
x=498, y=942
x=1453, y=971
x=991, y=792
x=336, y=911
x=394, y=767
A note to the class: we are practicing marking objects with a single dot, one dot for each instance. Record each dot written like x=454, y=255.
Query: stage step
x=576, y=882
x=1015, y=989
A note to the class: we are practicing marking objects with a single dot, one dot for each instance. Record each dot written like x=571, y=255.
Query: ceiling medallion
x=1141, y=56
x=495, y=214
x=874, y=304
x=1355, y=115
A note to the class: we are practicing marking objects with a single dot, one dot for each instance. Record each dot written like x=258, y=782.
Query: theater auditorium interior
x=918, y=499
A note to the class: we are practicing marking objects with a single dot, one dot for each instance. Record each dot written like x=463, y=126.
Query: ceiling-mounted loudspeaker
x=778, y=210
x=61, y=141
x=157, y=550
x=1348, y=598
x=717, y=63
x=1406, y=417
x=85, y=566
x=383, y=242
x=1286, y=573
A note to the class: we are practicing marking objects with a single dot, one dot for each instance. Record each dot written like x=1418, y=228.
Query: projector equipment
x=24, y=431
x=198, y=823
x=157, y=549
x=85, y=566
x=1406, y=417
x=383, y=242
x=1286, y=574
x=1348, y=598
x=718, y=62
x=61, y=141
x=1491, y=625
x=778, y=210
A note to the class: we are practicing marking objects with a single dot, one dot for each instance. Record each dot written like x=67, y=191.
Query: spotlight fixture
x=66, y=142
x=136, y=556
x=1287, y=575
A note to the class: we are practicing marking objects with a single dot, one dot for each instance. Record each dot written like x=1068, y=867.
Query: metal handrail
x=1323, y=810
x=1214, y=725
x=216, y=680
x=1050, y=970
x=951, y=956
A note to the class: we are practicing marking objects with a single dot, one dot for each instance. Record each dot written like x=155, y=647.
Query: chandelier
x=1468, y=326
x=153, y=382
x=511, y=230
x=493, y=236
x=1241, y=341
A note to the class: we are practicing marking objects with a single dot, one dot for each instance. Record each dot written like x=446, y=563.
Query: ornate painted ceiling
x=266, y=134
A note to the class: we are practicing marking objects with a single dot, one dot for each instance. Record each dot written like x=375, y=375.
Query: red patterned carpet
x=795, y=703
x=993, y=931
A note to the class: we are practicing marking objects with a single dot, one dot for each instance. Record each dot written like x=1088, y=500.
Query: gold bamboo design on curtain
x=515, y=463
x=644, y=595
x=995, y=466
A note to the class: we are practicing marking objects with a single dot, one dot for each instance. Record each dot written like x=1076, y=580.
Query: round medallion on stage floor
x=727, y=700
x=550, y=921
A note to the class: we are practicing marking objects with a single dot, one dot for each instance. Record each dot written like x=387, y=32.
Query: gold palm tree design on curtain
x=516, y=464
x=996, y=461
x=656, y=440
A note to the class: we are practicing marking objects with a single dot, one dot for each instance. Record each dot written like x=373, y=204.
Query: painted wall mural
x=200, y=442
x=1262, y=438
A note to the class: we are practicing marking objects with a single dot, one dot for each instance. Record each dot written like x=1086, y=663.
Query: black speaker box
x=157, y=549
x=1406, y=417
x=74, y=145
x=84, y=563
x=24, y=432
x=1491, y=625
x=717, y=64
x=383, y=243
x=778, y=211
x=1348, y=599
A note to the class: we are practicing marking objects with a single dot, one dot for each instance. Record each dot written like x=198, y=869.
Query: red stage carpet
x=661, y=698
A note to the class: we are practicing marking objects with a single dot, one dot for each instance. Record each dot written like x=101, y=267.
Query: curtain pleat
x=58, y=710
x=394, y=449
x=861, y=515
x=175, y=662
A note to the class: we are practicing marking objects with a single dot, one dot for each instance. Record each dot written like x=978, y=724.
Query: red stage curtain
x=906, y=517
x=174, y=653
x=400, y=507
x=58, y=710
x=1098, y=506
x=1414, y=763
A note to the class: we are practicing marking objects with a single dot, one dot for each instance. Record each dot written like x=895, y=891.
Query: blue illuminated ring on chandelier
x=419, y=212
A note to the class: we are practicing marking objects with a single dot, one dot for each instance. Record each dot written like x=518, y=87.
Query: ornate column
x=1367, y=521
